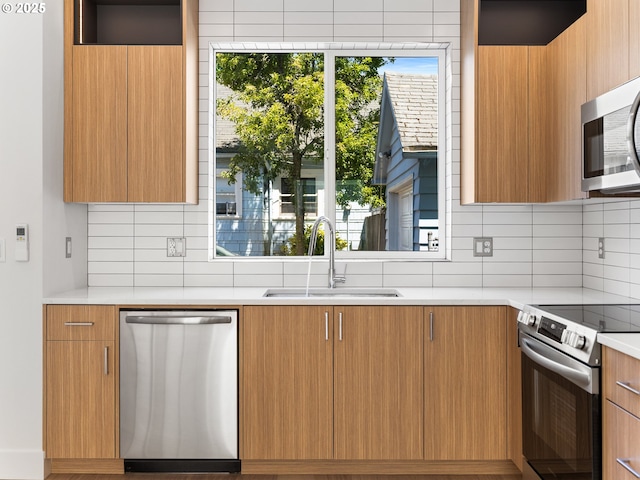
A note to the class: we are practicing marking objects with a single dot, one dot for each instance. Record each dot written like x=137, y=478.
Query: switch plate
x=3, y=252
x=176, y=247
x=67, y=247
x=483, y=246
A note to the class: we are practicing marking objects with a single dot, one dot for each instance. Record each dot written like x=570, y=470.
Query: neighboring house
x=406, y=159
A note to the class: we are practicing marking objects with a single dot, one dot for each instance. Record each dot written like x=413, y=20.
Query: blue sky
x=414, y=65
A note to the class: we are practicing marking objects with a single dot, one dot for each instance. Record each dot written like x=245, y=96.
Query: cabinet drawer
x=621, y=444
x=81, y=322
x=622, y=380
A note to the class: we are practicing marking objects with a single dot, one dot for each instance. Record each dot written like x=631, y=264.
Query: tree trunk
x=298, y=202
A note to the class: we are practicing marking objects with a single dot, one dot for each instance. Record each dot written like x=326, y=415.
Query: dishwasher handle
x=186, y=320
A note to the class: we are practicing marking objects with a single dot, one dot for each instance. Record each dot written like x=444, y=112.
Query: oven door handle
x=574, y=371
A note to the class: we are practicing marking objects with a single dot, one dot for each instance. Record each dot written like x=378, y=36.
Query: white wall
x=31, y=118
x=534, y=245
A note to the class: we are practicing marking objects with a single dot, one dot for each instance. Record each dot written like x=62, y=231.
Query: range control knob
x=573, y=339
x=526, y=318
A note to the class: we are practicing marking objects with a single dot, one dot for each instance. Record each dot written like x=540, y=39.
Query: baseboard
x=88, y=465
x=22, y=465
x=379, y=467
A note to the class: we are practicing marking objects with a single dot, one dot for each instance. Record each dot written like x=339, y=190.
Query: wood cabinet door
x=156, y=167
x=620, y=440
x=80, y=386
x=502, y=124
x=99, y=124
x=287, y=383
x=634, y=39
x=465, y=383
x=607, y=45
x=378, y=404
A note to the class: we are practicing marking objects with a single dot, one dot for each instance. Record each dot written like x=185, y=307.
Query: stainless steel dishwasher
x=179, y=390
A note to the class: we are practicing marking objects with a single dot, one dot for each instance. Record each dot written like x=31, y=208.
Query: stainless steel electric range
x=561, y=408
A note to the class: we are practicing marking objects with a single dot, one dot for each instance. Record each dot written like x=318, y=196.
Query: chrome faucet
x=333, y=277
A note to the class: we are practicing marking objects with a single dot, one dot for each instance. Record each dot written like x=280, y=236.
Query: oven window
x=561, y=425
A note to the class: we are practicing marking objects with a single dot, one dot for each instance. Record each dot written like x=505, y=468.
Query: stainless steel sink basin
x=332, y=292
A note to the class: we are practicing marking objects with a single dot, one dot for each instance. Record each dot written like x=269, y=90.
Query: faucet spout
x=333, y=278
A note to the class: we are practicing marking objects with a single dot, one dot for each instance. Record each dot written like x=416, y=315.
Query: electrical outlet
x=601, y=247
x=483, y=246
x=176, y=247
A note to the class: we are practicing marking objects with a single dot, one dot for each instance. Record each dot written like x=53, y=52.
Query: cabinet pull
x=78, y=324
x=326, y=326
x=431, y=326
x=340, y=328
x=106, y=360
x=627, y=386
x=626, y=466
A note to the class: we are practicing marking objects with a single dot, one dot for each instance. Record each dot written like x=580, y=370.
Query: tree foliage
x=278, y=111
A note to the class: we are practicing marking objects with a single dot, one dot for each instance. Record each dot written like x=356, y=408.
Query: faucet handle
x=339, y=278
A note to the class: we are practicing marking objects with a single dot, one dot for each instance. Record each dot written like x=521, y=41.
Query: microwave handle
x=631, y=133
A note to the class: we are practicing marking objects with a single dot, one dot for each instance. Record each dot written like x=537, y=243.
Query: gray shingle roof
x=415, y=107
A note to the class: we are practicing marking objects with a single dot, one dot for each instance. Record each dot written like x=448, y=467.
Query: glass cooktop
x=602, y=318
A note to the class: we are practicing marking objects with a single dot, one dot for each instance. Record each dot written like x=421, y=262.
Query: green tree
x=278, y=111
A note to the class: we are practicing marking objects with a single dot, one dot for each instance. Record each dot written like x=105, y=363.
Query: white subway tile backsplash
x=534, y=245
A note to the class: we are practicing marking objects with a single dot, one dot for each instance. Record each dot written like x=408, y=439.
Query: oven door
x=560, y=413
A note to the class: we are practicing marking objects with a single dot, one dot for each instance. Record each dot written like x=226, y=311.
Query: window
x=325, y=130
x=228, y=195
x=309, y=195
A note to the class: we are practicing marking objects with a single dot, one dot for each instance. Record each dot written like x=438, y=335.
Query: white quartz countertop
x=229, y=296
x=627, y=343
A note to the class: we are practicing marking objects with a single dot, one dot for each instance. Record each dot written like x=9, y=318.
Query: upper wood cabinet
x=607, y=45
x=465, y=383
x=131, y=111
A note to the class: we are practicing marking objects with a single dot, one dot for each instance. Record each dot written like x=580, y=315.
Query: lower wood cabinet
x=465, y=383
x=80, y=381
x=331, y=383
x=359, y=383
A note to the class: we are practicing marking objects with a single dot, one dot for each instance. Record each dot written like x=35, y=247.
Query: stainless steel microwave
x=611, y=140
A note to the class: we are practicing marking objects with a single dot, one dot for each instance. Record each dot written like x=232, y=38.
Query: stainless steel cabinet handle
x=326, y=326
x=340, y=328
x=78, y=324
x=627, y=386
x=626, y=466
x=106, y=360
x=431, y=326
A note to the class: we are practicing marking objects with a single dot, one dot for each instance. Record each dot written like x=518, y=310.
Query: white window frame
x=331, y=50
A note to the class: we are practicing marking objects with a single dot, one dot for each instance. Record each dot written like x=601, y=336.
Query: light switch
x=3, y=253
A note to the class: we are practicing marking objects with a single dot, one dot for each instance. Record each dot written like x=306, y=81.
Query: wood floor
x=148, y=476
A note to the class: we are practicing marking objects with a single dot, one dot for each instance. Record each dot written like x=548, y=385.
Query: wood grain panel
x=287, y=383
x=465, y=384
x=634, y=39
x=378, y=406
x=540, y=128
x=93, y=466
x=103, y=319
x=607, y=45
x=621, y=439
x=155, y=133
x=81, y=400
x=468, y=51
x=568, y=79
x=191, y=93
x=68, y=101
x=99, y=123
x=502, y=124
x=514, y=390
x=619, y=367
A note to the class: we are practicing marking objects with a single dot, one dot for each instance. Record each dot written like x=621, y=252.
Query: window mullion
x=330, y=135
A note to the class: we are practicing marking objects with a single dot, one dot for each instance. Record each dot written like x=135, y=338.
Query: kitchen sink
x=332, y=292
